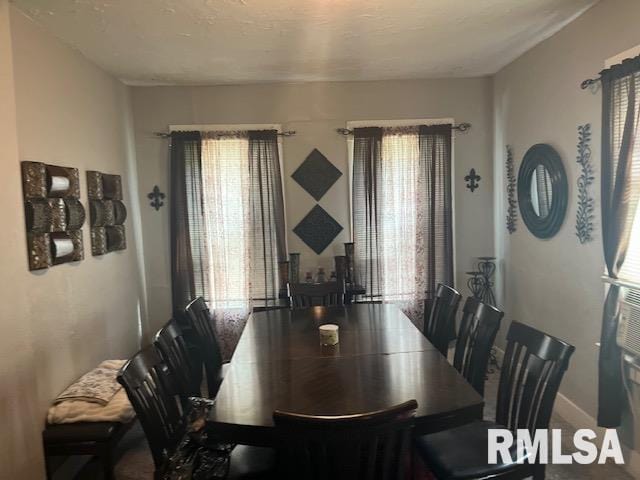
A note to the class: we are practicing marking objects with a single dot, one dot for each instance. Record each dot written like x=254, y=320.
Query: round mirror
x=542, y=190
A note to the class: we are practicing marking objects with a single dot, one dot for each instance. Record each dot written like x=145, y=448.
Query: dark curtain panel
x=267, y=206
x=619, y=129
x=367, y=157
x=188, y=247
x=435, y=159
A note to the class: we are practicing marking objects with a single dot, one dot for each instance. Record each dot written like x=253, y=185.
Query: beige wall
x=314, y=111
x=56, y=324
x=555, y=284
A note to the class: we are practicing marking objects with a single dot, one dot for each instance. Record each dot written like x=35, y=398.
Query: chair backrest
x=478, y=328
x=367, y=446
x=439, y=320
x=202, y=324
x=151, y=391
x=327, y=294
x=533, y=366
x=185, y=364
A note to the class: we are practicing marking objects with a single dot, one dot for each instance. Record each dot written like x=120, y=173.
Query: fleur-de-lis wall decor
x=156, y=197
x=472, y=180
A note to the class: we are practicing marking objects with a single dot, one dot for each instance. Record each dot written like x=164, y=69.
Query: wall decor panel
x=107, y=213
x=54, y=215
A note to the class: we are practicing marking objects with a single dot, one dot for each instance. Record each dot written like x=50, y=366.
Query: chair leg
x=539, y=472
x=47, y=467
x=107, y=463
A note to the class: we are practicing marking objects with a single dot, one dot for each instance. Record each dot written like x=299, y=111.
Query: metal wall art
x=54, y=214
x=107, y=213
x=317, y=229
x=480, y=281
x=472, y=180
x=156, y=197
x=586, y=207
x=316, y=174
x=512, y=201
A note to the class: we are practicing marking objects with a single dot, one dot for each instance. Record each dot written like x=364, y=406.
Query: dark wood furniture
x=369, y=446
x=533, y=367
x=440, y=317
x=382, y=360
x=351, y=293
x=327, y=294
x=202, y=325
x=84, y=438
x=184, y=363
x=478, y=328
x=151, y=391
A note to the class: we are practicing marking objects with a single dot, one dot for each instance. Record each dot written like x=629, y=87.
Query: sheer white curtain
x=227, y=217
x=401, y=206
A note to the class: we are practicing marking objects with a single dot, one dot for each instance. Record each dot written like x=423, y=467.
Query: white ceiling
x=254, y=41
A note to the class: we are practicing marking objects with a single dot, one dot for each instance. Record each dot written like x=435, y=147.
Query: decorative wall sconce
x=54, y=214
x=156, y=197
x=107, y=213
x=472, y=180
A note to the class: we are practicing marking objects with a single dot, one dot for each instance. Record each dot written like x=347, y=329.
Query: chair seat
x=248, y=463
x=461, y=453
x=80, y=432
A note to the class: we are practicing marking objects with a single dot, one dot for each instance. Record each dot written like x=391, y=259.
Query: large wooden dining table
x=381, y=360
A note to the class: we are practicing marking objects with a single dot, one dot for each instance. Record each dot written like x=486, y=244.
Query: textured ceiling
x=254, y=41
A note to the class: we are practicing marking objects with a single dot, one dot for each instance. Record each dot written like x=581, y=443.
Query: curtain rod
x=289, y=133
x=588, y=82
x=461, y=127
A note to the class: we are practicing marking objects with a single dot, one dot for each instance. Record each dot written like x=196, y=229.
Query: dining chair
x=183, y=362
x=440, y=317
x=202, y=324
x=478, y=328
x=152, y=392
x=532, y=369
x=368, y=446
x=327, y=294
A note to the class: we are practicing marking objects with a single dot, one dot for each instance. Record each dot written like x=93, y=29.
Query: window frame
x=351, y=124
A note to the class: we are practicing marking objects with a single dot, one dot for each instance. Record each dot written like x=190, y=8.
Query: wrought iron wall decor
x=480, y=281
x=107, y=213
x=156, y=197
x=512, y=201
x=542, y=190
x=586, y=203
x=472, y=180
x=54, y=214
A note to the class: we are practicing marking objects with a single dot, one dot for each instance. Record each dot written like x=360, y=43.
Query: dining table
x=380, y=360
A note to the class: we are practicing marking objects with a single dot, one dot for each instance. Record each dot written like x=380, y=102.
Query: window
x=402, y=212
x=228, y=232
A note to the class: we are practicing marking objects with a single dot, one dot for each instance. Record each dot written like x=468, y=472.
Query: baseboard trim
x=578, y=418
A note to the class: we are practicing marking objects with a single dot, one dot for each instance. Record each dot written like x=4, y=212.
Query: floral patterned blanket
x=97, y=386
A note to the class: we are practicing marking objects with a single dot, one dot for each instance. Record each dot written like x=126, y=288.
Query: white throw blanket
x=116, y=409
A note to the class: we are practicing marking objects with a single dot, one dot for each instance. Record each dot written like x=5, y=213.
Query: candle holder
x=349, y=251
x=294, y=267
x=480, y=282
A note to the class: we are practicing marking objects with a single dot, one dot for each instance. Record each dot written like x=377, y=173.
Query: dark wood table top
x=381, y=360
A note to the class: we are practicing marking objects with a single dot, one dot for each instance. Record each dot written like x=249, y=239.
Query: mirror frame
x=545, y=155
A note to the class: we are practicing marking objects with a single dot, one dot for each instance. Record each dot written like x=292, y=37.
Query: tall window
x=402, y=213
x=227, y=218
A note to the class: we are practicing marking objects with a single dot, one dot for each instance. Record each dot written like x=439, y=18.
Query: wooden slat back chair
x=532, y=369
x=478, y=328
x=367, y=446
x=533, y=366
x=328, y=294
x=177, y=354
x=202, y=324
x=439, y=320
x=151, y=391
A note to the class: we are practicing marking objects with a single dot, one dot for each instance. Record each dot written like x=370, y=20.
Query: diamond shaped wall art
x=317, y=229
x=316, y=174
